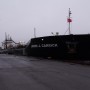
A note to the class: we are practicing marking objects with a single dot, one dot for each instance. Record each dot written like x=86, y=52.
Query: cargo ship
x=63, y=46
x=60, y=46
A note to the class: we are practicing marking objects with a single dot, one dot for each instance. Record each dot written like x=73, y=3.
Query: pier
x=30, y=73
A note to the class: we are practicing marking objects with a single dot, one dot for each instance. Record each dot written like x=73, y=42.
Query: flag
x=69, y=20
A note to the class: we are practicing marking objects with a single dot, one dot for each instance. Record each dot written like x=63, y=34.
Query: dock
x=31, y=73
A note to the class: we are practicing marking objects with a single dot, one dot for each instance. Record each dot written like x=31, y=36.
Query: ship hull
x=64, y=46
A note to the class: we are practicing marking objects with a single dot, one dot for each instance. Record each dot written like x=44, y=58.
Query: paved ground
x=23, y=73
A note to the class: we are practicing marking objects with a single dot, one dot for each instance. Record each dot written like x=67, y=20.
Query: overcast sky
x=19, y=17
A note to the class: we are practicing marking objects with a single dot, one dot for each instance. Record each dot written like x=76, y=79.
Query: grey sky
x=19, y=17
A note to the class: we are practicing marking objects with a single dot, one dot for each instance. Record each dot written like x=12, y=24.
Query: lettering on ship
x=43, y=45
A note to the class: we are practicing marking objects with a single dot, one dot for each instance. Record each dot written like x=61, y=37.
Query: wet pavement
x=29, y=73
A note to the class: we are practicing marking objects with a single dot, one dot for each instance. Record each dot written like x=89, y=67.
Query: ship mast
x=69, y=21
x=5, y=40
x=34, y=32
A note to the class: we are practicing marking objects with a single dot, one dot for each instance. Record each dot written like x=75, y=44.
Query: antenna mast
x=69, y=20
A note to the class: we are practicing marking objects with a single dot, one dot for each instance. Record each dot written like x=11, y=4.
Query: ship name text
x=43, y=45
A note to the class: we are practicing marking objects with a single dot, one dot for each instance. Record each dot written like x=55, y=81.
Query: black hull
x=65, y=46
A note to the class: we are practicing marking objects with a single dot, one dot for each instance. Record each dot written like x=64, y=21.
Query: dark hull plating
x=65, y=46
